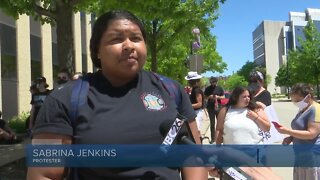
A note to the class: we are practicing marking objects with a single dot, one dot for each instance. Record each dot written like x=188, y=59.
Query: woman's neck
x=260, y=91
x=118, y=81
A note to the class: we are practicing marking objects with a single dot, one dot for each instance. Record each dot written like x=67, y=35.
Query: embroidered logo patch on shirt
x=153, y=102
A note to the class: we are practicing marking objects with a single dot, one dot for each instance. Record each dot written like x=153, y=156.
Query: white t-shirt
x=239, y=129
x=199, y=118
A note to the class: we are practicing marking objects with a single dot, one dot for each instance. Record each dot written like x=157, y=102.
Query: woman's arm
x=191, y=173
x=261, y=118
x=198, y=105
x=195, y=132
x=312, y=131
x=220, y=124
x=45, y=173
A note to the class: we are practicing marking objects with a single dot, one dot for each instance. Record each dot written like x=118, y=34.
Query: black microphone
x=178, y=132
x=186, y=140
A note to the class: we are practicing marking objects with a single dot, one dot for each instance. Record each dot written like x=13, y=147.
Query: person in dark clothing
x=37, y=99
x=214, y=94
x=7, y=135
x=125, y=105
x=256, y=87
x=196, y=96
x=62, y=78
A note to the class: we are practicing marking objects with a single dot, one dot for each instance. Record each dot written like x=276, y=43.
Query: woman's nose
x=128, y=45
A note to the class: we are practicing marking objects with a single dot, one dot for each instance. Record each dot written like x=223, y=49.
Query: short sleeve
x=315, y=113
x=265, y=98
x=207, y=91
x=53, y=118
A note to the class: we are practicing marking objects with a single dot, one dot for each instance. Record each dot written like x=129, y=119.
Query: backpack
x=81, y=88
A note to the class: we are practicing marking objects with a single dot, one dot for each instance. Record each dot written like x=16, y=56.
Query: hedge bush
x=18, y=123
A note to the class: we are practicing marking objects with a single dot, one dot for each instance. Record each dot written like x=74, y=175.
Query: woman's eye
x=115, y=39
x=136, y=39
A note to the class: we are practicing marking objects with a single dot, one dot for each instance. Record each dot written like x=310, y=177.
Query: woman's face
x=122, y=50
x=244, y=99
x=296, y=98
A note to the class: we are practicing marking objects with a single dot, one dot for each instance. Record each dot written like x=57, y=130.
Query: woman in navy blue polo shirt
x=125, y=104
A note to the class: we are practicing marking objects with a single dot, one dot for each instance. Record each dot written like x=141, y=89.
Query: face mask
x=253, y=87
x=301, y=104
x=61, y=81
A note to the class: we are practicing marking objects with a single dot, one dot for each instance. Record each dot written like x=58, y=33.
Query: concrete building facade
x=29, y=50
x=267, y=50
x=272, y=41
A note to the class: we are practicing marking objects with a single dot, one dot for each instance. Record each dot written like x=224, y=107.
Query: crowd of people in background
x=39, y=91
x=243, y=119
x=211, y=96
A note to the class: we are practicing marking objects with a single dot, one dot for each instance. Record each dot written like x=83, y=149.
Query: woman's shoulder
x=265, y=93
x=315, y=108
x=161, y=79
x=64, y=92
x=62, y=89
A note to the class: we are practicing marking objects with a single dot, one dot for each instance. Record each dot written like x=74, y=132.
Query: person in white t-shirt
x=240, y=120
x=238, y=123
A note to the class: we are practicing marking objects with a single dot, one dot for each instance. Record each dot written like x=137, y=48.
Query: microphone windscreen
x=175, y=130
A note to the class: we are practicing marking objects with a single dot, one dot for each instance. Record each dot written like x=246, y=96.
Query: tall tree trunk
x=153, y=46
x=65, y=37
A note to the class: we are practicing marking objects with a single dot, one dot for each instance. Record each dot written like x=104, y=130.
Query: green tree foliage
x=246, y=69
x=212, y=60
x=57, y=12
x=282, y=78
x=304, y=62
x=169, y=24
x=234, y=81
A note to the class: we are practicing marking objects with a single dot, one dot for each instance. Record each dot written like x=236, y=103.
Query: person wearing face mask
x=63, y=77
x=305, y=127
x=38, y=98
x=260, y=94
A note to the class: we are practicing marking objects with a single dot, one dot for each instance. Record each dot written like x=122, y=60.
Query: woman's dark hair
x=256, y=76
x=102, y=24
x=234, y=98
x=302, y=89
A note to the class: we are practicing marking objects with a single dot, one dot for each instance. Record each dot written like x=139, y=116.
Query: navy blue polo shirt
x=131, y=114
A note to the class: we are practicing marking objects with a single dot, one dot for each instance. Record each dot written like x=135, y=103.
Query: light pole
x=195, y=45
x=285, y=59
